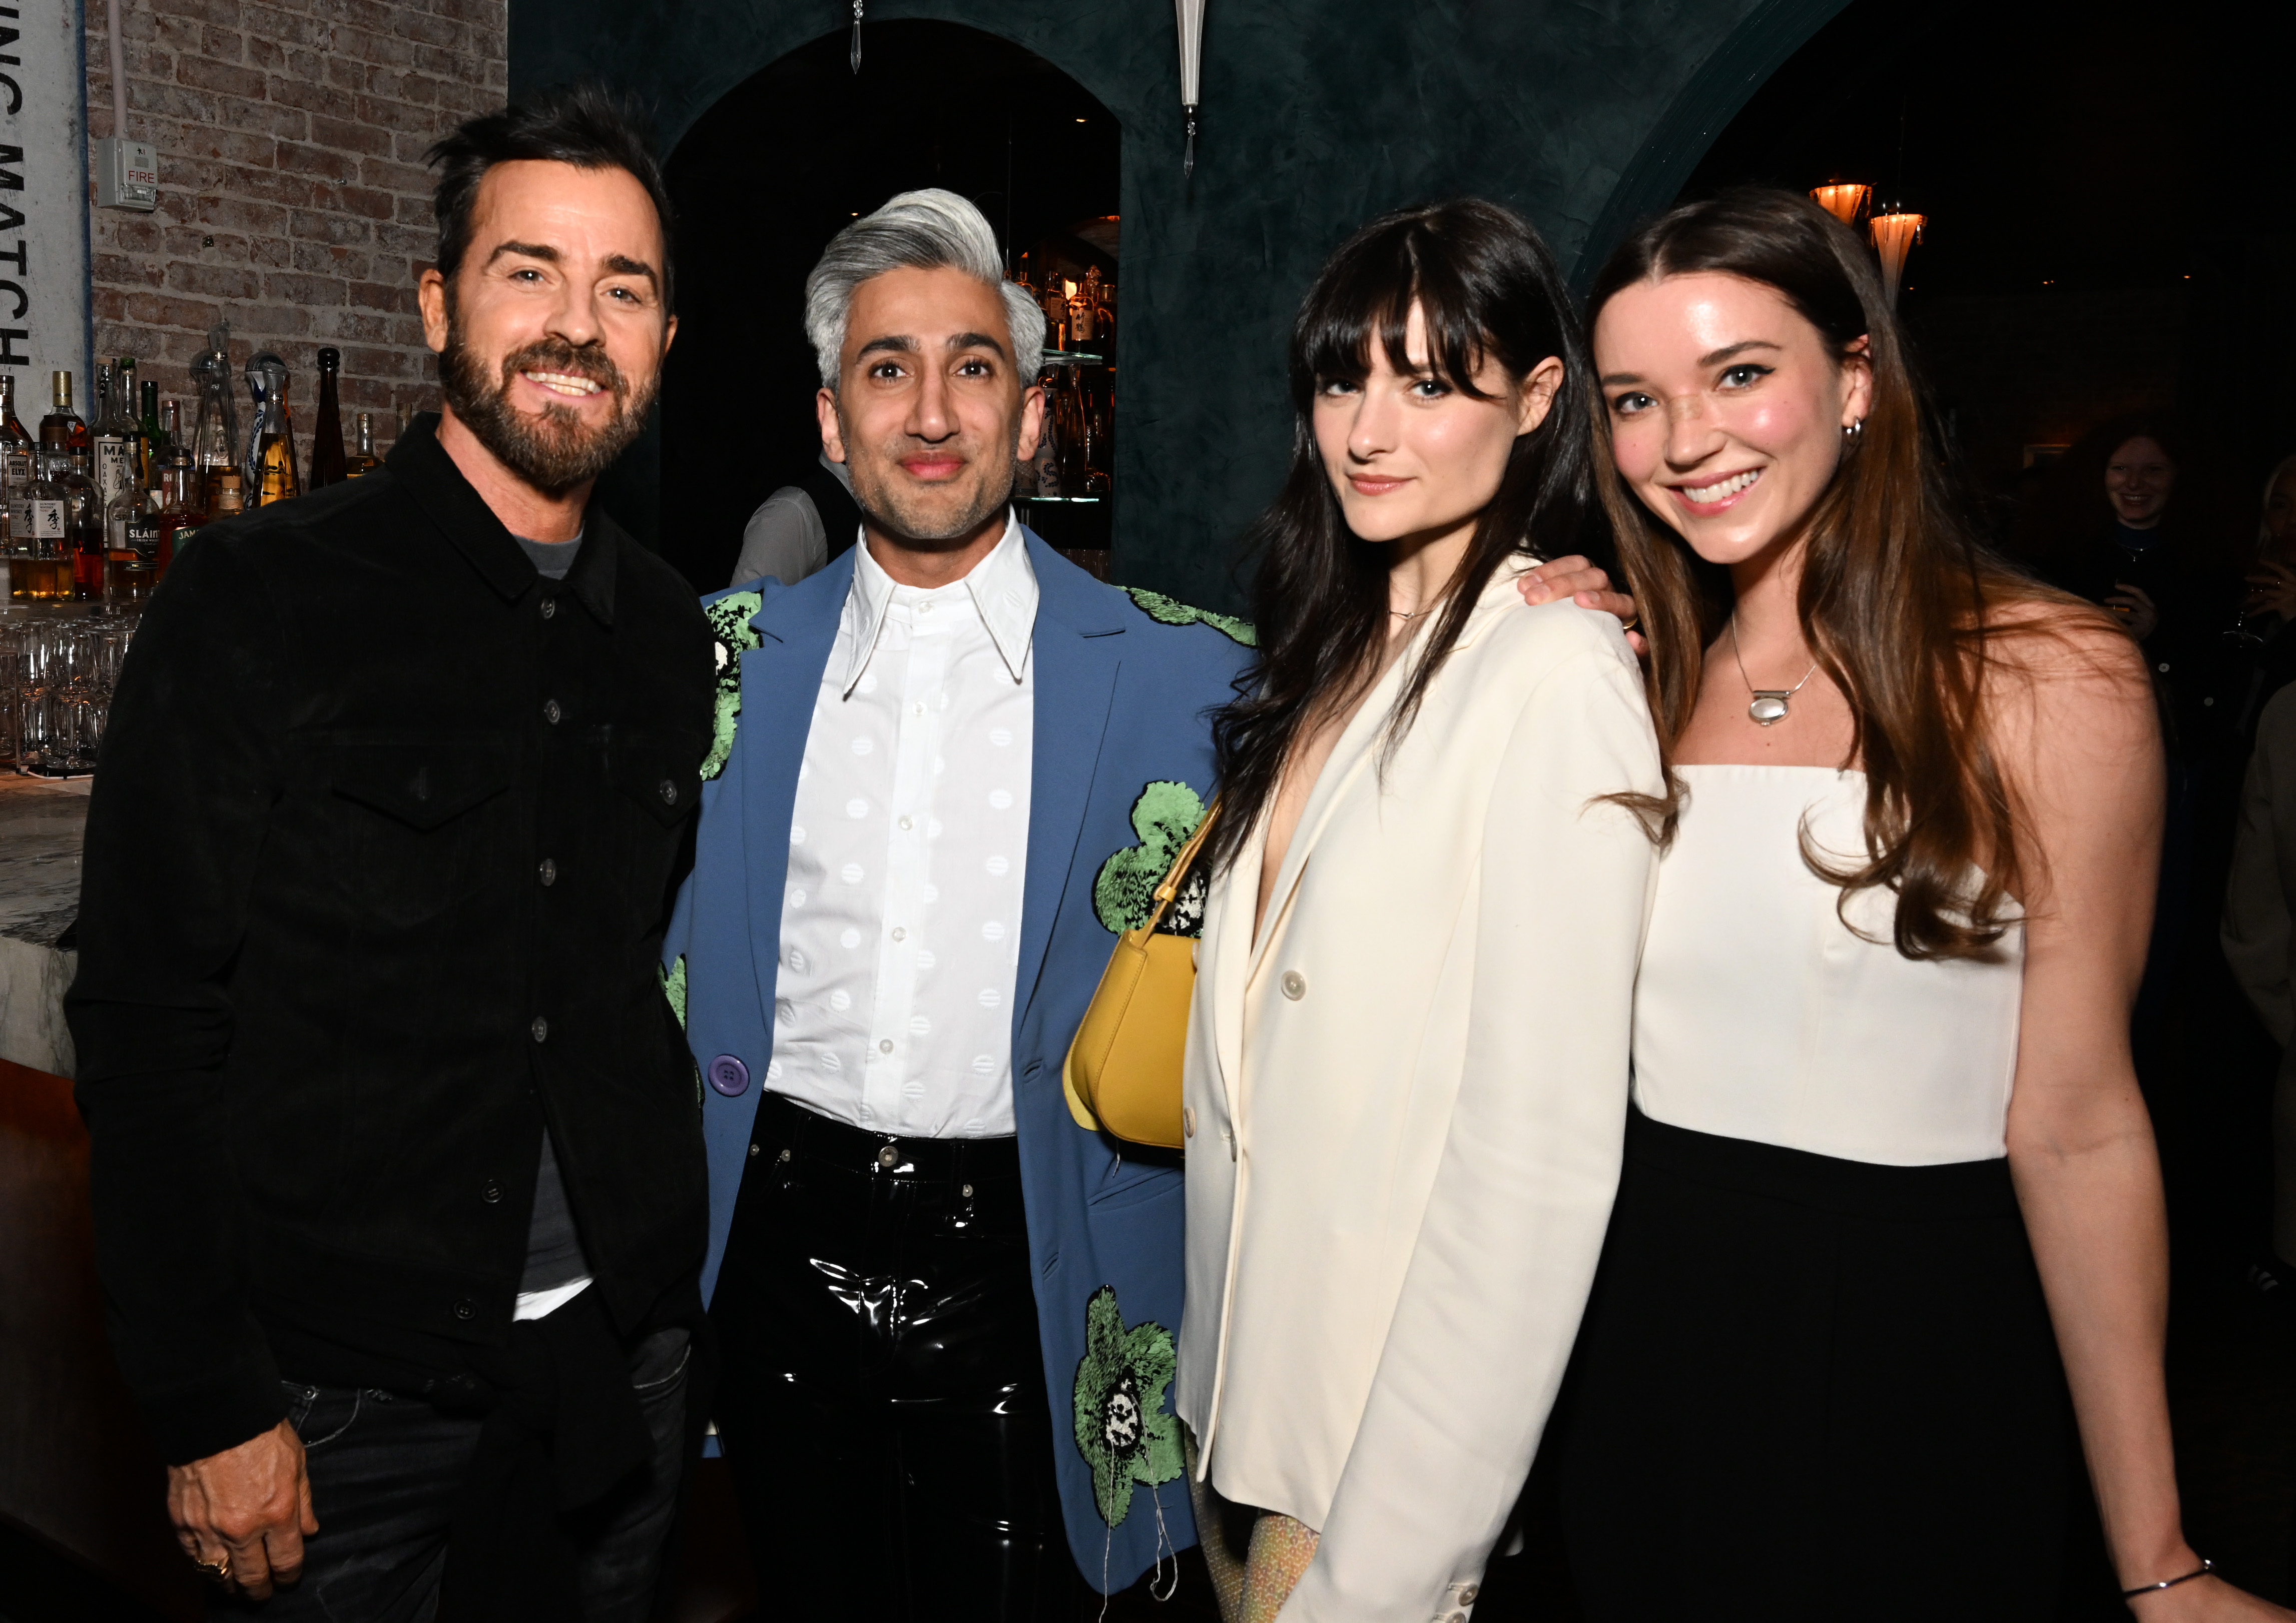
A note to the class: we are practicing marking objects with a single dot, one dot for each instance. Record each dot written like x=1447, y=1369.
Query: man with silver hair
x=949, y=767
x=801, y=526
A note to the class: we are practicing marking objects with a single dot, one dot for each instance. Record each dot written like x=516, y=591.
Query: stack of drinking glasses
x=57, y=673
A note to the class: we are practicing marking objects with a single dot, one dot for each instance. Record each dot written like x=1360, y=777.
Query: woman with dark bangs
x=1890, y=1185
x=1406, y=1071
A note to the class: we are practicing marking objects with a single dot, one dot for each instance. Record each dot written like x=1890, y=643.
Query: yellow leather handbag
x=1123, y=1069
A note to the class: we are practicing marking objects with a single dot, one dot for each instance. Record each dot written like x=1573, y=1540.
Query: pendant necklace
x=1770, y=703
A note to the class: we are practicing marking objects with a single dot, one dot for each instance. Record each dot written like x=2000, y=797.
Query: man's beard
x=881, y=498
x=554, y=453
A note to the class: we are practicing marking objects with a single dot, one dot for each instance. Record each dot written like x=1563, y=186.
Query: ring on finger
x=218, y=1569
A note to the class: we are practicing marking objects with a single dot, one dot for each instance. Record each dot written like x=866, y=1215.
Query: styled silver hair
x=924, y=231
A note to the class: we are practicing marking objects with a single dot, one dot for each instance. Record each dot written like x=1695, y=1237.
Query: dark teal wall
x=1316, y=115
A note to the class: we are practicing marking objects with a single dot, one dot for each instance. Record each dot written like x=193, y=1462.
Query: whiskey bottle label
x=32, y=520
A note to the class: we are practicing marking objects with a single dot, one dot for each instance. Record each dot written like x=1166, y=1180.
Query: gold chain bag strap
x=1123, y=1069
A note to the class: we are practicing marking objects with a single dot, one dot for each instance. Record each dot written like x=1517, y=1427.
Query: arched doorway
x=777, y=166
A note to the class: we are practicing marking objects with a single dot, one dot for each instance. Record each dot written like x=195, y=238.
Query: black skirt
x=1814, y=1388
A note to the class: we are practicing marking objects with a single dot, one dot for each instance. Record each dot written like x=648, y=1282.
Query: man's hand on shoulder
x=250, y=1506
x=1589, y=587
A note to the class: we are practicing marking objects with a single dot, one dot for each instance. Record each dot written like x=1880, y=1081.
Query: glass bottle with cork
x=61, y=431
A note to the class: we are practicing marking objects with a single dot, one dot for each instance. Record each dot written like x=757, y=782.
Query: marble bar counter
x=41, y=821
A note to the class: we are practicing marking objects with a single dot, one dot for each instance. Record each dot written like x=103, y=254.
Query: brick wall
x=293, y=201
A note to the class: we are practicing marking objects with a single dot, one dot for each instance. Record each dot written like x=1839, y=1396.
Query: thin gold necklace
x=1769, y=704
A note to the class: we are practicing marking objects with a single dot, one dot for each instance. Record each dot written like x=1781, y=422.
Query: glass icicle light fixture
x=1844, y=199
x=1190, y=15
x=1895, y=233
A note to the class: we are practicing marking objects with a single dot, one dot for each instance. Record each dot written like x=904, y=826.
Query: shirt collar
x=1003, y=587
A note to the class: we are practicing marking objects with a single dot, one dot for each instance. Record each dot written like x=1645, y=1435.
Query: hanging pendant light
x=1191, y=14
x=854, y=55
x=1895, y=233
x=1842, y=199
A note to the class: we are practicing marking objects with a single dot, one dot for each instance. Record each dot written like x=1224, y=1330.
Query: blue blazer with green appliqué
x=1121, y=770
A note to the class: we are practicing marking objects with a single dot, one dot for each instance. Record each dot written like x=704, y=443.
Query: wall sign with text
x=44, y=286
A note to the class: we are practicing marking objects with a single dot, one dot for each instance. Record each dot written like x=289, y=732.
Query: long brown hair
x=1898, y=597
x=1487, y=287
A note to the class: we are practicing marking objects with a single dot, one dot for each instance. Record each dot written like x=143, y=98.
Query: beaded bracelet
x=2202, y=1570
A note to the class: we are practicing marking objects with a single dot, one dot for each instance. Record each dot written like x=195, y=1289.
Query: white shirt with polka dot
x=909, y=848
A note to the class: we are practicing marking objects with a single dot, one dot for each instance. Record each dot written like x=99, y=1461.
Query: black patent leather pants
x=882, y=1401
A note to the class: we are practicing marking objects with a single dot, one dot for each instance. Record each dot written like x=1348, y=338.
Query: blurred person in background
x=2270, y=606
x=800, y=527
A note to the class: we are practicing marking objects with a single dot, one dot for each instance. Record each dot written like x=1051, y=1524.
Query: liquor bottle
x=155, y=446
x=40, y=561
x=1099, y=449
x=116, y=435
x=16, y=449
x=83, y=524
x=131, y=545
x=222, y=490
x=1103, y=317
x=1071, y=420
x=181, y=514
x=362, y=460
x=1047, y=459
x=270, y=454
x=62, y=432
x=1056, y=312
x=327, y=431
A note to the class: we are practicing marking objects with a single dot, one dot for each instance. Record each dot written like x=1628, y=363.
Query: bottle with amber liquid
x=327, y=466
x=222, y=490
x=271, y=438
x=83, y=525
x=362, y=460
x=39, y=560
x=180, y=513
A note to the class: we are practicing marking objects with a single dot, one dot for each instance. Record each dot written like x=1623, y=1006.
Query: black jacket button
x=491, y=1193
x=466, y=1309
x=668, y=792
x=541, y=1030
x=550, y=711
x=549, y=606
x=548, y=872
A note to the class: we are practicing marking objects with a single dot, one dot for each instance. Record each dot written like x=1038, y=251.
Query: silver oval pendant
x=1767, y=708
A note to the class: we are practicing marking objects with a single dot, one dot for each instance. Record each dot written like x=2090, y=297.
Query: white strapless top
x=1759, y=1015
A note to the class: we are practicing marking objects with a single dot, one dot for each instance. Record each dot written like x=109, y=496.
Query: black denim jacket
x=385, y=834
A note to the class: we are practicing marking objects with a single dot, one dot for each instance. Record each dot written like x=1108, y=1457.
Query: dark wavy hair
x=1899, y=601
x=585, y=125
x=1488, y=288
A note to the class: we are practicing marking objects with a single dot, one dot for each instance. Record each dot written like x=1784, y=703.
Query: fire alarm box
x=127, y=174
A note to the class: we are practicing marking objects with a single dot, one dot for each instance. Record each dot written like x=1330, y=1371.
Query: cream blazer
x=1405, y=1110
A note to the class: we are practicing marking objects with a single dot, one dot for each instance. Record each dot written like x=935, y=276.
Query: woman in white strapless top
x=1889, y=1238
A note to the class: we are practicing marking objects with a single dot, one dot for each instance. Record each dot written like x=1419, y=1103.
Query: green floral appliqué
x=1121, y=1427
x=673, y=987
x=729, y=622
x=1170, y=611
x=1123, y=895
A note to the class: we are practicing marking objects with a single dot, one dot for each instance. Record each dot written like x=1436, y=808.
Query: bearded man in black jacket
x=396, y=1156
